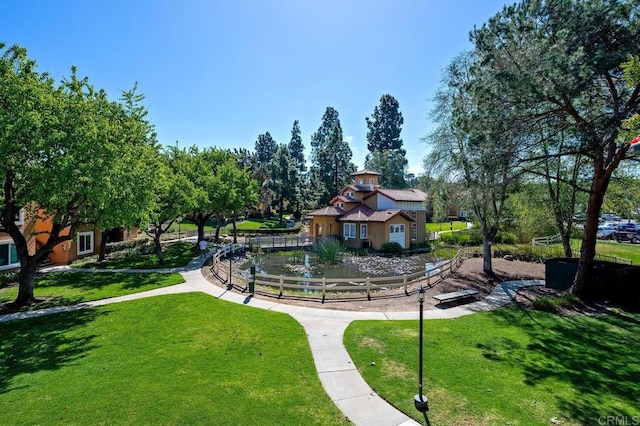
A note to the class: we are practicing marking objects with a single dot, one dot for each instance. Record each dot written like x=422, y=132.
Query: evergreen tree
x=265, y=148
x=296, y=148
x=385, y=126
x=284, y=180
x=331, y=158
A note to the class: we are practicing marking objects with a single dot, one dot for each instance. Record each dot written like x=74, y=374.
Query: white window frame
x=364, y=232
x=90, y=248
x=349, y=230
x=341, y=205
x=16, y=262
x=414, y=231
x=20, y=220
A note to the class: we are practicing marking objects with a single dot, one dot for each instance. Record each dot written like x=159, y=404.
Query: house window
x=85, y=242
x=19, y=219
x=396, y=228
x=370, y=181
x=341, y=205
x=360, y=181
x=349, y=230
x=363, y=231
x=414, y=231
x=350, y=194
x=8, y=255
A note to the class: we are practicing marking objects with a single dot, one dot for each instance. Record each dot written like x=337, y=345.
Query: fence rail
x=545, y=241
x=324, y=285
x=282, y=241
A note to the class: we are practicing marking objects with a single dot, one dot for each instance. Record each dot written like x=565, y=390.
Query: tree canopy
x=64, y=152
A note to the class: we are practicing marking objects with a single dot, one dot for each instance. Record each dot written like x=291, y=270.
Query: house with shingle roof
x=365, y=215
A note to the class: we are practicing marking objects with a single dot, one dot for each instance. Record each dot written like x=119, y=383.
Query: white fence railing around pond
x=322, y=286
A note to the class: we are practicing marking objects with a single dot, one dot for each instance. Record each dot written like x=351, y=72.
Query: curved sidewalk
x=325, y=330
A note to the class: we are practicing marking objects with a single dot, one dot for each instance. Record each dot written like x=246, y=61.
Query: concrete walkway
x=325, y=330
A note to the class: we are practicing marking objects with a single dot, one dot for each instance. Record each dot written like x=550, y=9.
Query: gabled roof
x=366, y=172
x=364, y=213
x=355, y=188
x=343, y=199
x=401, y=194
x=327, y=211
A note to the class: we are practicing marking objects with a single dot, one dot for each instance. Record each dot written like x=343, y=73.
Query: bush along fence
x=321, y=286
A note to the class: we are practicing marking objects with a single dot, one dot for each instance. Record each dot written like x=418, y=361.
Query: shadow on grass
x=596, y=356
x=175, y=255
x=43, y=343
x=94, y=281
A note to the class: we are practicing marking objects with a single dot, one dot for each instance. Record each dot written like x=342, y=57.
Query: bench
x=448, y=297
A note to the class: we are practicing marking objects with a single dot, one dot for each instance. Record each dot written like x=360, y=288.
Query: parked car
x=605, y=231
x=626, y=227
x=633, y=236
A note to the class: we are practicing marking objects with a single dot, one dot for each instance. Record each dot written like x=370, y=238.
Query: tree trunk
x=201, y=220
x=486, y=255
x=103, y=246
x=158, y=246
x=235, y=229
x=582, y=282
x=566, y=244
x=217, y=228
x=281, y=212
x=28, y=269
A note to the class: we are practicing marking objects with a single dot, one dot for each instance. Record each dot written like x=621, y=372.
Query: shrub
x=329, y=251
x=554, y=304
x=391, y=248
x=9, y=278
x=545, y=304
x=122, y=245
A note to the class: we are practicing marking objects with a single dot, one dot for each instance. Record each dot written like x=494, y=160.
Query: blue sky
x=218, y=73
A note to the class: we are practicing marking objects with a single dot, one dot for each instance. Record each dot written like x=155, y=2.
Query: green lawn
x=176, y=254
x=180, y=359
x=445, y=226
x=510, y=366
x=608, y=248
x=255, y=224
x=66, y=288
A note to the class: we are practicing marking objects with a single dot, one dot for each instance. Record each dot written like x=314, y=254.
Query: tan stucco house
x=365, y=215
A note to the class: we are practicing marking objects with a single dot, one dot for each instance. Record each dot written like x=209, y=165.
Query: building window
x=360, y=181
x=340, y=205
x=349, y=230
x=85, y=242
x=363, y=231
x=350, y=194
x=414, y=231
x=19, y=220
x=8, y=255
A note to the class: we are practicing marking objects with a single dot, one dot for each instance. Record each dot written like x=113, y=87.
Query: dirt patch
x=468, y=276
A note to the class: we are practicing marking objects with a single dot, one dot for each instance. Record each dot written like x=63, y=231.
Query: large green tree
x=174, y=197
x=473, y=144
x=559, y=63
x=392, y=166
x=64, y=149
x=296, y=150
x=386, y=154
x=330, y=157
x=284, y=179
x=385, y=125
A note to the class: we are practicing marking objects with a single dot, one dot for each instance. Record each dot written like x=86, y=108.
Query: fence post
x=368, y=288
x=404, y=280
x=281, y=285
x=324, y=286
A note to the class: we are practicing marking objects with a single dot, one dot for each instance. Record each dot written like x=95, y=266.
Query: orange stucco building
x=365, y=215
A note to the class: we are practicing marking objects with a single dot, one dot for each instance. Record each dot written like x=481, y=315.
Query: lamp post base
x=422, y=403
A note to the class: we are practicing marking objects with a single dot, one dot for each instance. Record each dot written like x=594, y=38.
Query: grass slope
x=509, y=366
x=67, y=288
x=175, y=255
x=179, y=359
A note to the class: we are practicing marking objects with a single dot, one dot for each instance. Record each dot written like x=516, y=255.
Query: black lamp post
x=421, y=402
